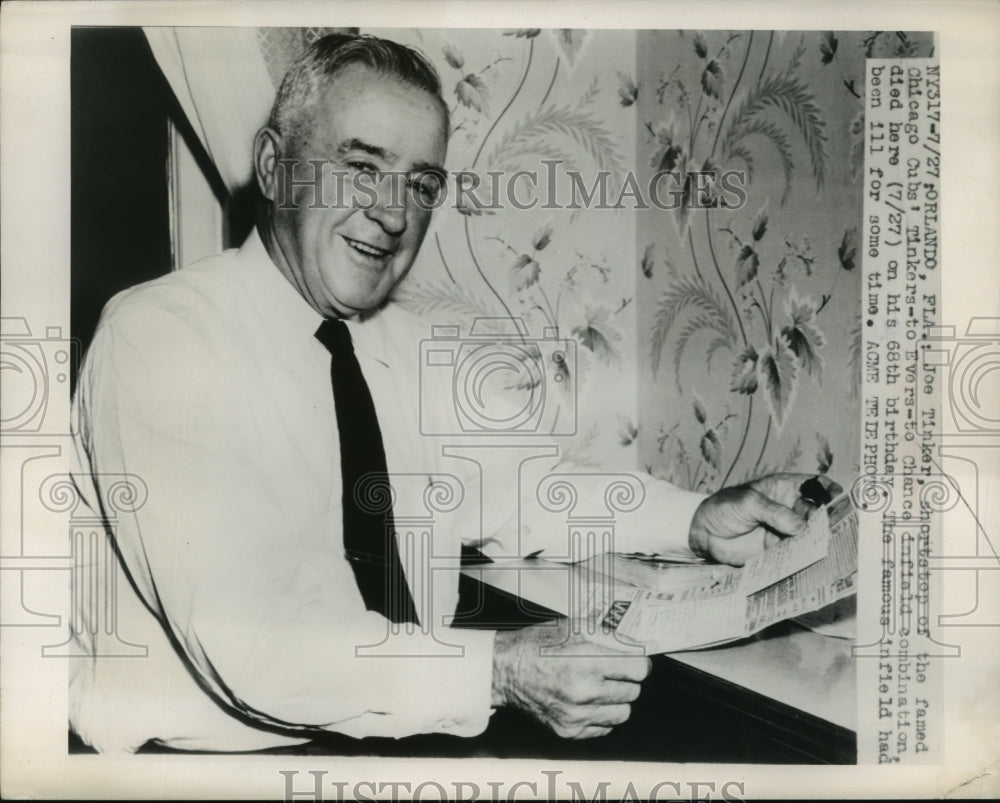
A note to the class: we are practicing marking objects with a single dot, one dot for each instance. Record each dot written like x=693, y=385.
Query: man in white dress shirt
x=211, y=386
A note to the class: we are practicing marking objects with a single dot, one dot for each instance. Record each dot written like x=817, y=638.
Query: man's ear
x=267, y=150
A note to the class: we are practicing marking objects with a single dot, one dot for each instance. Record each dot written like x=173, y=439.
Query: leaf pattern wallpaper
x=519, y=98
x=751, y=316
x=712, y=344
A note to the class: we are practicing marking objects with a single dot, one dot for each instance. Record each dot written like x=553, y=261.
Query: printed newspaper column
x=900, y=491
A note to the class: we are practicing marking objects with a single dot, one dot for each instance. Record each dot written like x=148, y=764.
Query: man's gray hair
x=312, y=72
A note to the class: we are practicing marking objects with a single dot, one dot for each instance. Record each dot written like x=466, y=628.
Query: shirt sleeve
x=559, y=503
x=260, y=613
x=642, y=513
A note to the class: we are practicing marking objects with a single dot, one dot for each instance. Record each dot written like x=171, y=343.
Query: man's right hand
x=578, y=693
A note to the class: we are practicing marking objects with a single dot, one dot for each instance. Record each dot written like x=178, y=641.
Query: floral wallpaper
x=519, y=97
x=750, y=316
x=713, y=344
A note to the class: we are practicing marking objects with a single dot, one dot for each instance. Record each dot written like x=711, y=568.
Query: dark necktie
x=369, y=532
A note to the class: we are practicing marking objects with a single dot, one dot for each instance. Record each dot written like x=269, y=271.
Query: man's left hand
x=734, y=524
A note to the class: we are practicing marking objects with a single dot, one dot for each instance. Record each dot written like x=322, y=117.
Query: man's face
x=345, y=260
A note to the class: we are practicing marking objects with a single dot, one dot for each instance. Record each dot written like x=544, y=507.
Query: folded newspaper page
x=696, y=606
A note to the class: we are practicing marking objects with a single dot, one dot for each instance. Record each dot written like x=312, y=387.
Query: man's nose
x=389, y=209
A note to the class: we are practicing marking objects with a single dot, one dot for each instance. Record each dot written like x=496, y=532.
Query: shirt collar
x=286, y=313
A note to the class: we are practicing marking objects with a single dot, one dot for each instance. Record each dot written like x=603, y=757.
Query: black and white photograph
x=415, y=410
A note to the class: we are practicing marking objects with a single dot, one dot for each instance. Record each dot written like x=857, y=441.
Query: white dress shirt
x=209, y=386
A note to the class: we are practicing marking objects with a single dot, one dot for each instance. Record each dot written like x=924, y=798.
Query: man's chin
x=361, y=307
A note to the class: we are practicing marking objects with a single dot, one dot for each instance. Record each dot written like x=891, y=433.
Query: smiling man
x=342, y=257
x=254, y=394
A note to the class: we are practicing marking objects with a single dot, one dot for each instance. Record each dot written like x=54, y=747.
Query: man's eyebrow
x=355, y=144
x=429, y=167
x=373, y=150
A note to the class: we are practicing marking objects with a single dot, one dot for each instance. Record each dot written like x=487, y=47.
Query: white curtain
x=223, y=86
x=225, y=80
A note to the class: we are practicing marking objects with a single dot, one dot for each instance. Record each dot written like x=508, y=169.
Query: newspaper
x=799, y=575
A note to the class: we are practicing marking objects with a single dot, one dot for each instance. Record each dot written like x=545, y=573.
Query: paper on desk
x=722, y=610
x=654, y=574
x=837, y=620
x=668, y=557
x=671, y=620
